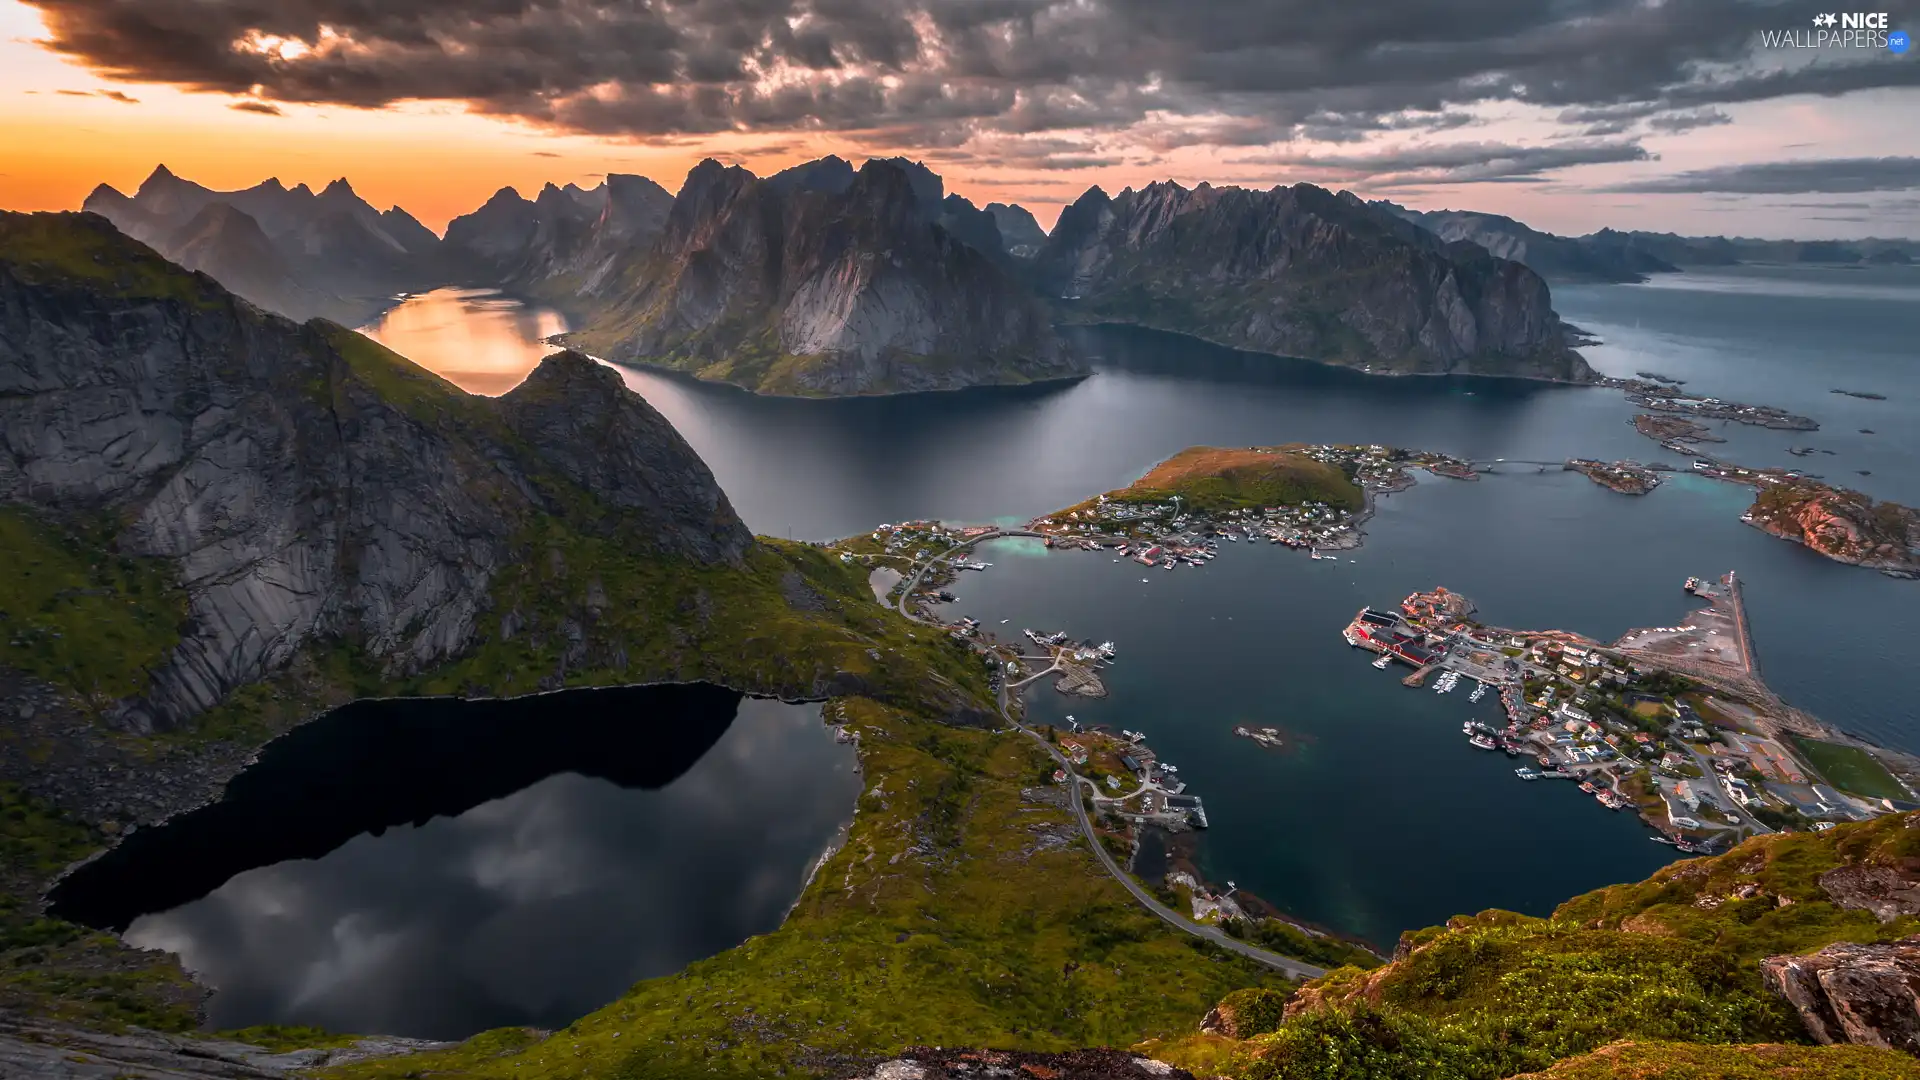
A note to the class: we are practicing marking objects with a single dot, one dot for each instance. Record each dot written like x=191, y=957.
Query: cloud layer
x=945, y=73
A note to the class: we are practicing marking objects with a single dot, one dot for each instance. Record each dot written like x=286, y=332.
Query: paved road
x=1293, y=969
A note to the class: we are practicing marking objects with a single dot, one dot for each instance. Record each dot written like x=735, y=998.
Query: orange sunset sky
x=1659, y=153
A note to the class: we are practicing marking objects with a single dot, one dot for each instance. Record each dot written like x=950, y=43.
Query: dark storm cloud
x=264, y=108
x=1820, y=175
x=1454, y=163
x=932, y=73
x=1686, y=121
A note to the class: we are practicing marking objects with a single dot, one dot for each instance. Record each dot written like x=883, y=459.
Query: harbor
x=1672, y=722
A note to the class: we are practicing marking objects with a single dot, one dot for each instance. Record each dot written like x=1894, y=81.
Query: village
x=1668, y=721
x=1168, y=533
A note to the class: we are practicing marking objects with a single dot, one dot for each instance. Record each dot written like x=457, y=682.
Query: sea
x=1375, y=816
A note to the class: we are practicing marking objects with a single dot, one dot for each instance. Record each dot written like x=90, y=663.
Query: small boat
x=1525, y=773
x=1482, y=742
x=1384, y=661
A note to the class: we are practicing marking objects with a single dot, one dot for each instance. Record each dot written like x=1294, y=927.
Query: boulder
x=1848, y=993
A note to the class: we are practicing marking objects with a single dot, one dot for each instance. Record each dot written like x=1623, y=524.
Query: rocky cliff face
x=227, y=245
x=791, y=290
x=1022, y=235
x=1556, y=258
x=1302, y=272
x=568, y=245
x=334, y=255
x=308, y=483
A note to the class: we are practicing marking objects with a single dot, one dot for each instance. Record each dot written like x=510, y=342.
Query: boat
x=1385, y=659
x=1482, y=742
x=1525, y=773
x=1587, y=786
x=1479, y=691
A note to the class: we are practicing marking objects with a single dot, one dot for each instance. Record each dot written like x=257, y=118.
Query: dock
x=1419, y=677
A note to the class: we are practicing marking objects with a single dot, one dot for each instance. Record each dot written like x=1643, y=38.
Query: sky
x=1691, y=116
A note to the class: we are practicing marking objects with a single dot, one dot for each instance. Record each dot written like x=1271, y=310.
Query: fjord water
x=435, y=868
x=479, y=340
x=1384, y=819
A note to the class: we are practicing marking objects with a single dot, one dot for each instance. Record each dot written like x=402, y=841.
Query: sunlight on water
x=477, y=339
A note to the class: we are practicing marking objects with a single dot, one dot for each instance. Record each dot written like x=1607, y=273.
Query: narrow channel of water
x=435, y=868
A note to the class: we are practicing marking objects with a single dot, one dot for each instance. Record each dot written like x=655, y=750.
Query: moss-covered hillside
x=1658, y=979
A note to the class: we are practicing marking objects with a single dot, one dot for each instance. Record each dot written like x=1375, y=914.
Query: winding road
x=1293, y=969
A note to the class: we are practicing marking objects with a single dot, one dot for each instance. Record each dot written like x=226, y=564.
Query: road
x=1291, y=968
x=906, y=591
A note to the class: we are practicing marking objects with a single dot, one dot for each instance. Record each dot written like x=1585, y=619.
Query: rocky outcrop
x=307, y=483
x=1246, y=1013
x=332, y=254
x=784, y=289
x=1863, y=994
x=935, y=1063
x=1556, y=258
x=1302, y=272
x=1887, y=891
x=1843, y=525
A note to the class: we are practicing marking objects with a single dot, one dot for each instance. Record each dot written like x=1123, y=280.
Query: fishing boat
x=1482, y=742
x=1385, y=659
x=1525, y=773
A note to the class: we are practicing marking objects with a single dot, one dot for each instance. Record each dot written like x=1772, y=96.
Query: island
x=1673, y=429
x=1844, y=525
x=1310, y=496
x=1672, y=722
x=1675, y=402
x=1865, y=394
x=1625, y=477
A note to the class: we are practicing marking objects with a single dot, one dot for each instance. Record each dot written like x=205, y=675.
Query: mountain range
x=826, y=279
x=287, y=249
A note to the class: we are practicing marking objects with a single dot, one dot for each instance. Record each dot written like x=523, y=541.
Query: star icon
x=1824, y=20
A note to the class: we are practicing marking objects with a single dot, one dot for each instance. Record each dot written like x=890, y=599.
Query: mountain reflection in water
x=436, y=868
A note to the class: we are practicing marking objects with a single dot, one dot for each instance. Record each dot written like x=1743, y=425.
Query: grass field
x=1850, y=769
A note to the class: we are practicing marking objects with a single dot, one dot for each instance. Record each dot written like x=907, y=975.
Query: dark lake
x=435, y=868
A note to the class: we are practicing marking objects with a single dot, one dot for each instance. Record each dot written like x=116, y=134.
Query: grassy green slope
x=1664, y=963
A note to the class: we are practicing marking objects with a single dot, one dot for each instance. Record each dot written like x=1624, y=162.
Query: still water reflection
x=436, y=868
x=477, y=339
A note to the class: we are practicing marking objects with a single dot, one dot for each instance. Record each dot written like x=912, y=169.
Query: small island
x=1844, y=525
x=1667, y=400
x=1303, y=496
x=1625, y=477
x=1673, y=429
x=1864, y=394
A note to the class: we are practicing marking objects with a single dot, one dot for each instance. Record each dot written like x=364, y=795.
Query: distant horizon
x=1677, y=117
